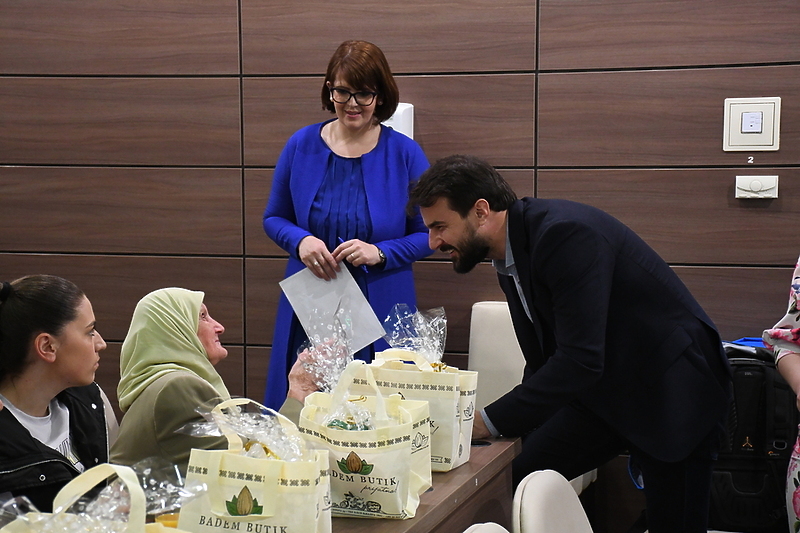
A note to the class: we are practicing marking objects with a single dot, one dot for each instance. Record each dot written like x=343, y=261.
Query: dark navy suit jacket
x=613, y=328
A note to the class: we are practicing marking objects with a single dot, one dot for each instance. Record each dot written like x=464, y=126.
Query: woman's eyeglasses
x=342, y=96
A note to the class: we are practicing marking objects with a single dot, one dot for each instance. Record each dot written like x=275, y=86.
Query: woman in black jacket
x=56, y=422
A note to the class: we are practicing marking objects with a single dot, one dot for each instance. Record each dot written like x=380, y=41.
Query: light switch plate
x=756, y=187
x=743, y=132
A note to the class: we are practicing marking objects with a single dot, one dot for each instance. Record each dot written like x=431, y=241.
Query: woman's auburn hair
x=363, y=66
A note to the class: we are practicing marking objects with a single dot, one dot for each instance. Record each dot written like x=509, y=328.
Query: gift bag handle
x=340, y=392
x=397, y=354
x=85, y=482
x=234, y=442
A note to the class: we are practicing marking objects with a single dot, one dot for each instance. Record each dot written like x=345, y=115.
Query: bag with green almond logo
x=378, y=472
x=257, y=494
x=449, y=391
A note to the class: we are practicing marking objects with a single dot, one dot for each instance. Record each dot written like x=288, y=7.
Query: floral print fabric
x=784, y=339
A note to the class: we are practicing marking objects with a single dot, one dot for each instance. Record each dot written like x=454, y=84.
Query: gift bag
x=374, y=473
x=257, y=494
x=449, y=391
x=61, y=520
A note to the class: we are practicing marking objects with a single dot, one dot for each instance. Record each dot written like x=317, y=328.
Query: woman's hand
x=314, y=254
x=301, y=383
x=357, y=253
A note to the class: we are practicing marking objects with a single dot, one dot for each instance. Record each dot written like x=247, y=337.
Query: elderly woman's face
x=208, y=331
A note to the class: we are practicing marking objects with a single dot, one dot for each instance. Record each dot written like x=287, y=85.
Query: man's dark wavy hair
x=463, y=180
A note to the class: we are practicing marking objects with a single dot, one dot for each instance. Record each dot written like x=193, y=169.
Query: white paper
x=311, y=296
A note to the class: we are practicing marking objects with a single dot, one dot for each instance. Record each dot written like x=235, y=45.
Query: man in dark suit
x=619, y=355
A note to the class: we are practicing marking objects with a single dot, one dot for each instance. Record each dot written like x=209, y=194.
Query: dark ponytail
x=29, y=306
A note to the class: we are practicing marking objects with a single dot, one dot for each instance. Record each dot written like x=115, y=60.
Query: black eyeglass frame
x=350, y=95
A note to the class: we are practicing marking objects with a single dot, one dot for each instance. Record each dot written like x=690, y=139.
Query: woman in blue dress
x=338, y=199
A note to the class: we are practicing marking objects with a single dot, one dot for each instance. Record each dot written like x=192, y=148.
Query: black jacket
x=29, y=468
x=614, y=328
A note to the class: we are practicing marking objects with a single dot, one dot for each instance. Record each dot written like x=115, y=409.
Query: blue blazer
x=390, y=170
x=613, y=328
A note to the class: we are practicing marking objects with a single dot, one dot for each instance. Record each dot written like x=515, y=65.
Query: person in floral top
x=784, y=341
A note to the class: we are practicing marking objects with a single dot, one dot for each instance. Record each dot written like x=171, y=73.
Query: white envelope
x=315, y=299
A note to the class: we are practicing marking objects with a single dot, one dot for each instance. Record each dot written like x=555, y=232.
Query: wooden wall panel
x=114, y=284
x=520, y=180
x=416, y=36
x=274, y=108
x=595, y=34
x=256, y=367
x=690, y=215
x=487, y=116
x=134, y=121
x=500, y=129
x=122, y=210
x=261, y=299
x=257, y=185
x=134, y=37
x=742, y=302
x=439, y=286
x=107, y=375
x=654, y=118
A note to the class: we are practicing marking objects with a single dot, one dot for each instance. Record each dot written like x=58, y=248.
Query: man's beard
x=471, y=251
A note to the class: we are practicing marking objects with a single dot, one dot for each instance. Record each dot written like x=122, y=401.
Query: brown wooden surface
x=478, y=491
x=416, y=36
x=111, y=210
x=594, y=34
x=120, y=121
x=132, y=37
x=500, y=129
x=114, y=284
x=742, y=301
x=658, y=117
x=690, y=215
x=261, y=300
x=256, y=366
x=257, y=186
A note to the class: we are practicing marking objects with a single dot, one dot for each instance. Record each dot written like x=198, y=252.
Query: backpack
x=749, y=479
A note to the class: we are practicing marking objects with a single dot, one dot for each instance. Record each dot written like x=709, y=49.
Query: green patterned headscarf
x=162, y=339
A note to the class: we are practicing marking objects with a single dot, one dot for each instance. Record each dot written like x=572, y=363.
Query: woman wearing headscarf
x=167, y=371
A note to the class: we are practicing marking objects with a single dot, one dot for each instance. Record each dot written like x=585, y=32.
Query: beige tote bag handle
x=234, y=442
x=85, y=482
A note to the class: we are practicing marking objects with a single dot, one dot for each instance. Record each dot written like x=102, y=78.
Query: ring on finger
x=316, y=264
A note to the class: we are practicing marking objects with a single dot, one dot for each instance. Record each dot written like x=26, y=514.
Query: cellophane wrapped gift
x=118, y=507
x=267, y=479
x=379, y=453
x=413, y=367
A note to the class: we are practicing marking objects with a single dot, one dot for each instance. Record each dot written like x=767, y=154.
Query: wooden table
x=478, y=491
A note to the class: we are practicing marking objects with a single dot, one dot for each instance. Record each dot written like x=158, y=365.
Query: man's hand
x=479, y=429
x=301, y=383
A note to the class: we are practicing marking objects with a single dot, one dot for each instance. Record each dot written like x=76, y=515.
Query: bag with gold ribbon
x=89, y=520
x=378, y=447
x=449, y=391
x=258, y=491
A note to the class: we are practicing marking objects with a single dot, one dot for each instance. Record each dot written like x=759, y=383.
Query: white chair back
x=545, y=502
x=488, y=527
x=494, y=351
